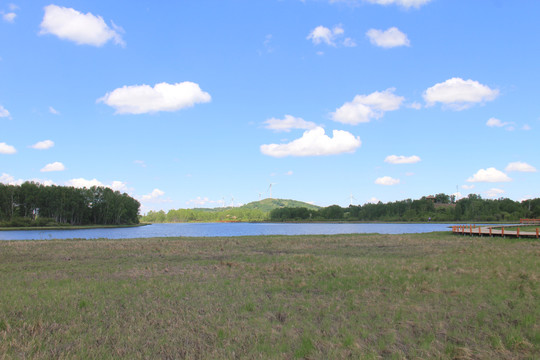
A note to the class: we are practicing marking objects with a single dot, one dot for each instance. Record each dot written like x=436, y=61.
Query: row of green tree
x=205, y=215
x=439, y=208
x=34, y=204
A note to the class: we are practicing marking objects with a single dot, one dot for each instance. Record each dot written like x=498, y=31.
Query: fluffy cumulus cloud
x=459, y=94
x=7, y=149
x=141, y=99
x=53, y=111
x=387, y=181
x=9, y=17
x=87, y=29
x=7, y=179
x=364, y=108
x=324, y=35
x=55, y=166
x=519, y=166
x=204, y=201
x=43, y=145
x=118, y=186
x=84, y=183
x=315, y=143
x=373, y=200
x=287, y=123
x=493, y=193
x=155, y=195
x=389, y=38
x=10, y=180
x=395, y=159
x=493, y=122
x=489, y=175
x=3, y=112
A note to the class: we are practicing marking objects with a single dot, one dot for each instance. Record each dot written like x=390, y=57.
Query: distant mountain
x=268, y=205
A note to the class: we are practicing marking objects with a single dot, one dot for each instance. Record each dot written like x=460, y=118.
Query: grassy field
x=317, y=297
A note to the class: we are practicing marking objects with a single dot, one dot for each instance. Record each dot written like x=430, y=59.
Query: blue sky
x=203, y=103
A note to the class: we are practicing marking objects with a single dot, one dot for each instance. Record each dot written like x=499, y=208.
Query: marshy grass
x=317, y=297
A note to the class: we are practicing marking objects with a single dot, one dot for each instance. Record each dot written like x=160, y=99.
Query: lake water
x=222, y=229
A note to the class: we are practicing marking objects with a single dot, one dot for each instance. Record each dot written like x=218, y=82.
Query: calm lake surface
x=222, y=229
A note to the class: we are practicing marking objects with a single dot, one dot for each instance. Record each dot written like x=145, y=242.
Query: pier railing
x=491, y=231
x=529, y=221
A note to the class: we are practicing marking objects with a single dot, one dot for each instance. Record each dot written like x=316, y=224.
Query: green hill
x=268, y=205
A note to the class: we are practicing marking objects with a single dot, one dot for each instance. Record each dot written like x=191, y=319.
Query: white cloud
x=55, y=166
x=10, y=180
x=363, y=108
x=403, y=3
x=140, y=99
x=43, y=145
x=348, y=42
x=84, y=183
x=520, y=167
x=389, y=38
x=289, y=173
x=53, y=111
x=415, y=105
x=288, y=123
x=458, y=195
x=322, y=34
x=87, y=29
x=7, y=149
x=6, y=179
x=395, y=159
x=526, y=127
x=373, y=200
x=268, y=44
x=492, y=193
x=141, y=163
x=468, y=187
x=3, y=112
x=9, y=17
x=118, y=186
x=489, y=175
x=459, y=94
x=155, y=195
x=200, y=201
x=387, y=181
x=493, y=122
x=315, y=143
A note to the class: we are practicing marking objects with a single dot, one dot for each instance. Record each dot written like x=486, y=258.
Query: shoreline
x=76, y=227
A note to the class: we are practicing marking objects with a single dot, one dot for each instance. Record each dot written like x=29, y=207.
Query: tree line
x=441, y=207
x=35, y=204
x=205, y=215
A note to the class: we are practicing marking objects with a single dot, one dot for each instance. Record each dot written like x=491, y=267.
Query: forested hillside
x=33, y=204
x=441, y=207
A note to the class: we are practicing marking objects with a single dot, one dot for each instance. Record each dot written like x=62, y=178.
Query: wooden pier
x=511, y=231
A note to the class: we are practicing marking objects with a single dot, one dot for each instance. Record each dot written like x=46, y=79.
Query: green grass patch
x=317, y=297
